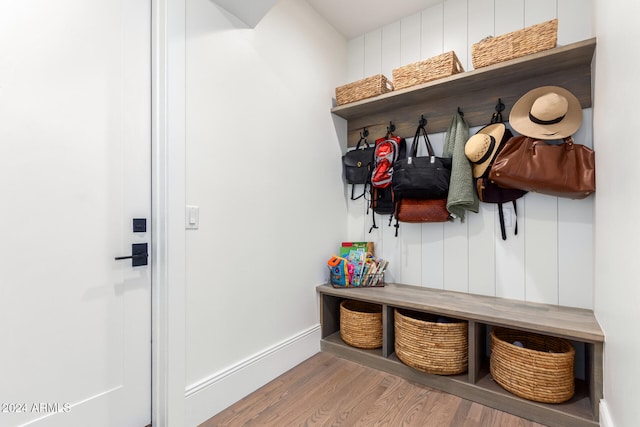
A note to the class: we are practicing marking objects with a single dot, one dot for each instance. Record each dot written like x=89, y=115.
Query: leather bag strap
x=501, y=215
x=421, y=131
x=362, y=138
x=502, y=228
x=353, y=188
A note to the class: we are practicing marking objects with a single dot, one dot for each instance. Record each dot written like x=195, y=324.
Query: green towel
x=462, y=193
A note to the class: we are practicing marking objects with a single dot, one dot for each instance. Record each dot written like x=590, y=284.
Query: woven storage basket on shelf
x=519, y=43
x=361, y=324
x=428, y=345
x=541, y=370
x=362, y=89
x=439, y=66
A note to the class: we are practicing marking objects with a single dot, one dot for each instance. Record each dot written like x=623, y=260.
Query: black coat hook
x=460, y=112
x=423, y=121
x=497, y=116
x=391, y=128
x=364, y=133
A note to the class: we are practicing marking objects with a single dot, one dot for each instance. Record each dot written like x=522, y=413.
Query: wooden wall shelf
x=476, y=92
x=481, y=313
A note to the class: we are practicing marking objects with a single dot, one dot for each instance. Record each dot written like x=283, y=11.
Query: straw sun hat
x=548, y=112
x=481, y=148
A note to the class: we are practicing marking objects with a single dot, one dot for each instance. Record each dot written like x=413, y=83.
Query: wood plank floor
x=329, y=391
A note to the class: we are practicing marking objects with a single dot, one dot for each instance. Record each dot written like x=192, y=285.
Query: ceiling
x=248, y=11
x=353, y=18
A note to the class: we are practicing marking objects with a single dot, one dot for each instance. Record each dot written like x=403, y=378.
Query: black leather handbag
x=425, y=177
x=357, y=164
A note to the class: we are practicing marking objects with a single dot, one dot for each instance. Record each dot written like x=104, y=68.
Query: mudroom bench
x=482, y=313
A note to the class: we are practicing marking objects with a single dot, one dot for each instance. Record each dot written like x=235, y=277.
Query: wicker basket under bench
x=432, y=344
x=361, y=324
x=480, y=315
x=533, y=366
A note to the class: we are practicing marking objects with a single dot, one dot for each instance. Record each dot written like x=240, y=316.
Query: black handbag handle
x=362, y=138
x=414, y=146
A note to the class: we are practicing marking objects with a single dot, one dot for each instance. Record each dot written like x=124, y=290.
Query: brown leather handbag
x=422, y=210
x=563, y=170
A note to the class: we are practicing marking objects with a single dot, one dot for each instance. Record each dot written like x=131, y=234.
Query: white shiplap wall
x=551, y=258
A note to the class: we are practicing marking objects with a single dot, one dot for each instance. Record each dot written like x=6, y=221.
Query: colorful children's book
x=348, y=246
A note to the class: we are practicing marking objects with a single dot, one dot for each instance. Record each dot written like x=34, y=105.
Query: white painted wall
x=263, y=165
x=617, y=294
x=551, y=258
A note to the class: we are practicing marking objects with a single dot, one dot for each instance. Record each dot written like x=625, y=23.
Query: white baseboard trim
x=605, y=415
x=206, y=398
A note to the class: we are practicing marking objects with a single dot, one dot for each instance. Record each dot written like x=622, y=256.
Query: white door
x=74, y=171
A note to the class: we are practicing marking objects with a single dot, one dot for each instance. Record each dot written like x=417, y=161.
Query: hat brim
x=496, y=130
x=521, y=123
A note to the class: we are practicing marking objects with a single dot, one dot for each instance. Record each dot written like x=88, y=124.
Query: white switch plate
x=192, y=217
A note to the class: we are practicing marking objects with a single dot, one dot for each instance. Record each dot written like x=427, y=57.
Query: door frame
x=168, y=309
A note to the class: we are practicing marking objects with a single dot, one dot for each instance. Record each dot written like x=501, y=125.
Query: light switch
x=192, y=217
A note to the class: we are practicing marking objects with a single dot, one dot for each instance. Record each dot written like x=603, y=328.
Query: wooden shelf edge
x=582, y=49
x=475, y=91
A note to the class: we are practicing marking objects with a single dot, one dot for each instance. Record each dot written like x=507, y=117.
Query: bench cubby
x=482, y=313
